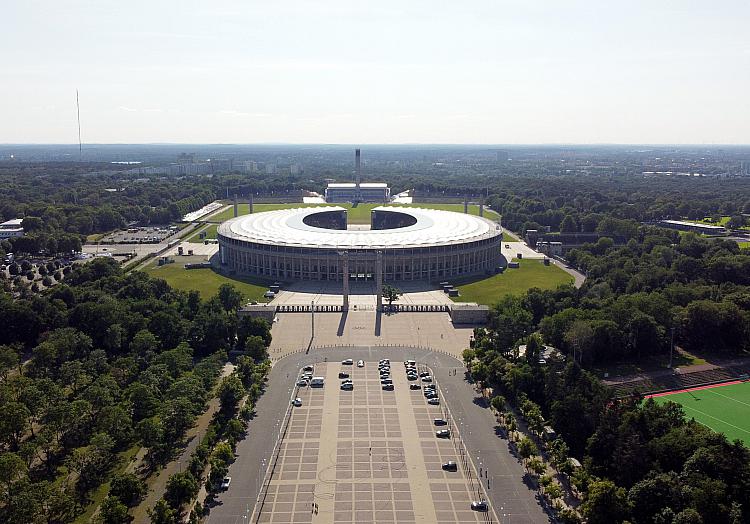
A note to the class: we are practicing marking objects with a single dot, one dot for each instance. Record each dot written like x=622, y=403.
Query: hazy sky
x=384, y=71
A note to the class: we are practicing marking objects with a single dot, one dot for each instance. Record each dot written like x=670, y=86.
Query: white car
x=225, y=482
x=297, y=402
x=360, y=363
x=347, y=362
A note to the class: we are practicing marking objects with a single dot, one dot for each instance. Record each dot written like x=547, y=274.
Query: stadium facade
x=402, y=244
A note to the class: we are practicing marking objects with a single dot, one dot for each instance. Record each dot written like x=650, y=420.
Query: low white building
x=11, y=228
x=353, y=192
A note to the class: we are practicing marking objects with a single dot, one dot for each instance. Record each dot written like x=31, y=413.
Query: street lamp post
x=671, y=348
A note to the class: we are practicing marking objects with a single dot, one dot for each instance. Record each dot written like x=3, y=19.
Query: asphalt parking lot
x=510, y=498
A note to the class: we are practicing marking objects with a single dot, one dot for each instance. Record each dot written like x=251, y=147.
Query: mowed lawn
x=355, y=215
x=725, y=409
x=531, y=273
x=210, y=233
x=206, y=281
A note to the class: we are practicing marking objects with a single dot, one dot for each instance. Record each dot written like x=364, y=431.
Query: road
x=512, y=500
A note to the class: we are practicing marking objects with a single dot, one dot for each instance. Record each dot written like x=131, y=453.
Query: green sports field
x=725, y=409
x=359, y=214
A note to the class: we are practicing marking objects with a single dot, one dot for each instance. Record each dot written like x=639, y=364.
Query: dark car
x=343, y=375
x=443, y=433
x=387, y=387
x=450, y=466
x=415, y=386
x=479, y=505
x=440, y=422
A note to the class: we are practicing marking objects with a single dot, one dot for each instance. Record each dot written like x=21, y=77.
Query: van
x=317, y=382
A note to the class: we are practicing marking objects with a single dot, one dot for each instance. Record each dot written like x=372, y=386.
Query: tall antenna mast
x=78, y=110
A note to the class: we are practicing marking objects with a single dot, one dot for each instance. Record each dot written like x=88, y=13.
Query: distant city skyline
x=337, y=72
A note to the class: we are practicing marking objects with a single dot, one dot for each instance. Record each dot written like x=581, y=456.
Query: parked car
x=415, y=386
x=450, y=466
x=428, y=378
x=440, y=422
x=434, y=401
x=387, y=387
x=297, y=402
x=347, y=362
x=443, y=433
x=225, y=482
x=343, y=374
x=347, y=386
x=302, y=382
x=360, y=363
x=479, y=505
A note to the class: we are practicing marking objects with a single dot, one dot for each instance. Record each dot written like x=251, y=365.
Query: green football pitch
x=725, y=409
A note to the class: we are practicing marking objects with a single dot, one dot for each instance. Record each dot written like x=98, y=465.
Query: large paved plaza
x=368, y=455
x=293, y=331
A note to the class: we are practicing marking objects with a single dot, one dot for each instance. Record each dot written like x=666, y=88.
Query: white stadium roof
x=286, y=227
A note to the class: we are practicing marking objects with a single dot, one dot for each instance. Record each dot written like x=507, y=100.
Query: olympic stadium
x=401, y=244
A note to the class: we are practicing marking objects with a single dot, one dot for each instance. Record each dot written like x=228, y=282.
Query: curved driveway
x=511, y=498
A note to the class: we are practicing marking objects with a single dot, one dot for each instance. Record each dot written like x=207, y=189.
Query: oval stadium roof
x=286, y=227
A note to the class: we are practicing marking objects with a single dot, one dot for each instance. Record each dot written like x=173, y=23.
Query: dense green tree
x=181, y=488
x=127, y=488
x=568, y=225
x=230, y=393
x=255, y=348
x=605, y=503
x=231, y=299
x=113, y=511
x=162, y=513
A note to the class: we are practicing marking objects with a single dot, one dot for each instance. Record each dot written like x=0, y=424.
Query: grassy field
x=744, y=245
x=355, y=215
x=725, y=409
x=531, y=273
x=206, y=281
x=210, y=233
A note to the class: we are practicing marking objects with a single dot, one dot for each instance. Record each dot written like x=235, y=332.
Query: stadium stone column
x=345, y=276
x=379, y=279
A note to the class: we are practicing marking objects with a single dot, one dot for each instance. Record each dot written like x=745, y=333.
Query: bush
x=47, y=281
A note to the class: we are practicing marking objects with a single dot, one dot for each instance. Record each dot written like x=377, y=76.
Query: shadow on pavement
x=342, y=324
